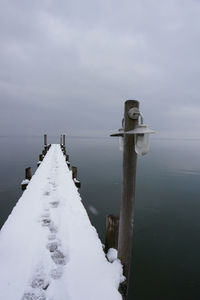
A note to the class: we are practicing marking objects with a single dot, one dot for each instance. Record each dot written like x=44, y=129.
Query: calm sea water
x=166, y=245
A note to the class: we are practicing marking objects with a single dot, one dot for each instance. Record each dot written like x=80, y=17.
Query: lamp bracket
x=134, y=113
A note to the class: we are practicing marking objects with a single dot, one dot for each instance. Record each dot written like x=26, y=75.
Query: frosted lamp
x=142, y=143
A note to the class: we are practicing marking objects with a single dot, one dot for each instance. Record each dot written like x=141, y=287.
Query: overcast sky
x=68, y=66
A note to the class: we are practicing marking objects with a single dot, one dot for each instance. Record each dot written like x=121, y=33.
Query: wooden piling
x=45, y=139
x=112, y=230
x=28, y=173
x=74, y=177
x=74, y=172
x=64, y=140
x=126, y=222
x=67, y=160
x=27, y=178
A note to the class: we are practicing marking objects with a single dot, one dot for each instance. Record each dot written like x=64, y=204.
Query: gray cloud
x=72, y=64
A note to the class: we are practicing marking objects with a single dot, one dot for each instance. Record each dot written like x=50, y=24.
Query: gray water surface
x=166, y=244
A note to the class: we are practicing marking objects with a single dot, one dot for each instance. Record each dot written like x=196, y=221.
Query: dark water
x=166, y=245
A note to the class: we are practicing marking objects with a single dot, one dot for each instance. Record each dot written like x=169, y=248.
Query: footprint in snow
x=33, y=296
x=52, y=246
x=54, y=204
x=59, y=258
x=46, y=221
x=40, y=283
x=56, y=273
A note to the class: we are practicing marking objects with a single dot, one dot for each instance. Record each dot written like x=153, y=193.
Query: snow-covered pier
x=48, y=248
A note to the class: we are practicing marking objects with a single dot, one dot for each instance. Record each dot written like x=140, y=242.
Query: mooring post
x=74, y=172
x=74, y=177
x=112, y=229
x=45, y=139
x=46, y=148
x=67, y=160
x=126, y=221
x=28, y=173
x=27, y=178
x=64, y=140
x=40, y=160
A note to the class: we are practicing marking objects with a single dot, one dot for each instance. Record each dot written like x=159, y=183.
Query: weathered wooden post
x=46, y=148
x=27, y=178
x=74, y=177
x=28, y=173
x=74, y=172
x=136, y=141
x=112, y=229
x=126, y=221
x=45, y=140
x=67, y=160
x=64, y=140
x=40, y=160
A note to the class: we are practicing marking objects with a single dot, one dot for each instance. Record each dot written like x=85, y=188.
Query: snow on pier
x=48, y=248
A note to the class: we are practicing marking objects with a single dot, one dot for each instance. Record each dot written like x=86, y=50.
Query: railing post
x=126, y=222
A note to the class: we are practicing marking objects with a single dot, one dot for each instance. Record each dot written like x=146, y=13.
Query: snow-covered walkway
x=48, y=248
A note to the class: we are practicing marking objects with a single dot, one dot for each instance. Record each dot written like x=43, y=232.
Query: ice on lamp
x=142, y=143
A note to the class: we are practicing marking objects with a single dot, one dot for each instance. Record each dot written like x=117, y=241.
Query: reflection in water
x=166, y=232
x=93, y=210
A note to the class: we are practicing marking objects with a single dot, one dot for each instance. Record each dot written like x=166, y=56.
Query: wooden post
x=126, y=222
x=28, y=173
x=74, y=177
x=61, y=139
x=67, y=160
x=45, y=140
x=112, y=229
x=74, y=172
x=64, y=140
x=64, y=150
x=27, y=178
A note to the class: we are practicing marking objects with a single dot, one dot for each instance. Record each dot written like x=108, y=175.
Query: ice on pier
x=48, y=248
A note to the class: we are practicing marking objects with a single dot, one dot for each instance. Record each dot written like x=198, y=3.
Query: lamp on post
x=135, y=136
x=141, y=132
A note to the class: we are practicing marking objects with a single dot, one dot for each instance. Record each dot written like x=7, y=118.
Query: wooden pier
x=48, y=247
